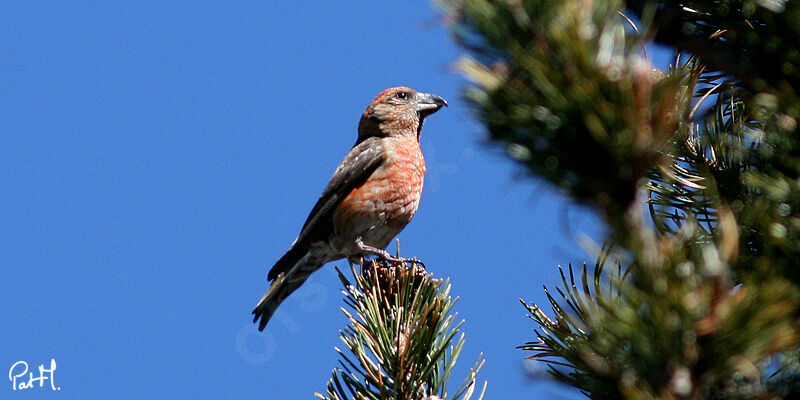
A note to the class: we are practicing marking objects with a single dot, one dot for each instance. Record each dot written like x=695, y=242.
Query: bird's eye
x=401, y=95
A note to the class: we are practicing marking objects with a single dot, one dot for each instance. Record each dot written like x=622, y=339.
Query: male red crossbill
x=371, y=197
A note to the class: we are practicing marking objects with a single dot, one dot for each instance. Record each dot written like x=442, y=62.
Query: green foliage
x=754, y=40
x=704, y=296
x=684, y=330
x=555, y=76
x=403, y=339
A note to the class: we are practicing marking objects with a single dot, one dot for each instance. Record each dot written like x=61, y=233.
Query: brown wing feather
x=361, y=162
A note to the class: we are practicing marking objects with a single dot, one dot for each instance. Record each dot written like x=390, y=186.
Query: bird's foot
x=413, y=261
x=384, y=255
x=367, y=249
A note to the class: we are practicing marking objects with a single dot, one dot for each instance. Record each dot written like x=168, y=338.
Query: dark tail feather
x=286, y=279
x=287, y=261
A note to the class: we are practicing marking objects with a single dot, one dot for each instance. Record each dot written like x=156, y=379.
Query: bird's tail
x=292, y=272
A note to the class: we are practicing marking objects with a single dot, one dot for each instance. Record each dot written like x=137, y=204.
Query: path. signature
x=20, y=369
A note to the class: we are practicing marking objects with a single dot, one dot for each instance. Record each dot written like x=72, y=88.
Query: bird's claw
x=414, y=261
x=411, y=262
x=385, y=256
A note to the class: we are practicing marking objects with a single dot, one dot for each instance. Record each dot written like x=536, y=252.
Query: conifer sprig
x=402, y=340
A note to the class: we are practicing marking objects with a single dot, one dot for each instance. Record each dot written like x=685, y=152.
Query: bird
x=372, y=196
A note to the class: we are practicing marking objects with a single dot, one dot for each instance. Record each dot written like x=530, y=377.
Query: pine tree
x=695, y=170
x=402, y=340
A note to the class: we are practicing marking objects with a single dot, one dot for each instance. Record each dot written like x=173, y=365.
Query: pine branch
x=756, y=41
x=563, y=86
x=403, y=339
x=687, y=331
x=710, y=293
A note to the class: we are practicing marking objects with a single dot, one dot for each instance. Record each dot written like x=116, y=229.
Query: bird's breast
x=382, y=206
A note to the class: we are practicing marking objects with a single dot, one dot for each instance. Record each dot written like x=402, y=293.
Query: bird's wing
x=362, y=160
x=354, y=170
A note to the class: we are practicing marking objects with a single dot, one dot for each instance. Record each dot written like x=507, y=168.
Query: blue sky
x=158, y=157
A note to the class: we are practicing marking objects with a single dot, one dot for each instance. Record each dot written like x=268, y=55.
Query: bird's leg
x=367, y=249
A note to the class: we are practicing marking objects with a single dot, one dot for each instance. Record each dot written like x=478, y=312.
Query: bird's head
x=398, y=111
